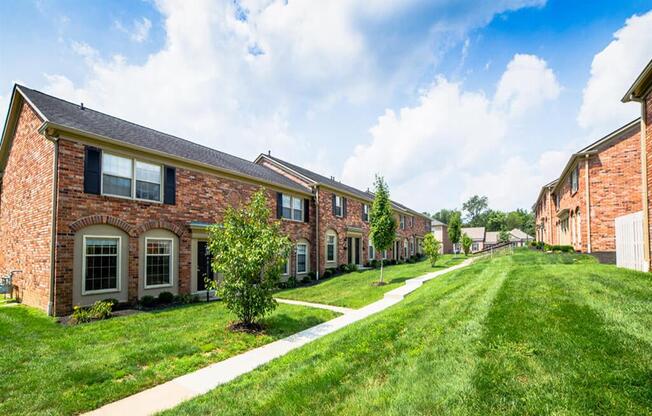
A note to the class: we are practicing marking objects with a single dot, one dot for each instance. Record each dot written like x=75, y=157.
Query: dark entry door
x=357, y=251
x=349, y=250
x=204, y=269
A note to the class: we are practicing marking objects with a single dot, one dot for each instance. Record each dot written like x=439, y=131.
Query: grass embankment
x=47, y=368
x=529, y=333
x=357, y=289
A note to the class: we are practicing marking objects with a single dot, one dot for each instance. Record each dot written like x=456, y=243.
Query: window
x=402, y=219
x=410, y=221
x=557, y=201
x=148, y=181
x=338, y=205
x=574, y=179
x=101, y=264
x=158, y=262
x=118, y=174
x=365, y=212
x=292, y=208
x=285, y=269
x=302, y=258
x=372, y=252
x=384, y=254
x=411, y=247
x=474, y=247
x=331, y=242
x=405, y=248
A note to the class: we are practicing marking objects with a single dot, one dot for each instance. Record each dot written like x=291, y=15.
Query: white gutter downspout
x=644, y=186
x=53, y=237
x=317, y=242
x=588, y=206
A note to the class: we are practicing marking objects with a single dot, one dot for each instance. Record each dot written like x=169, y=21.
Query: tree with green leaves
x=382, y=224
x=431, y=247
x=455, y=228
x=249, y=250
x=503, y=237
x=444, y=215
x=466, y=244
x=475, y=207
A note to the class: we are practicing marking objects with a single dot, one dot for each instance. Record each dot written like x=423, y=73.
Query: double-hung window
x=292, y=208
x=302, y=258
x=285, y=269
x=365, y=212
x=158, y=262
x=574, y=179
x=118, y=178
x=372, y=252
x=402, y=222
x=101, y=264
x=330, y=248
x=338, y=206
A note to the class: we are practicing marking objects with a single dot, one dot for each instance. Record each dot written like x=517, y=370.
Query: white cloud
x=140, y=29
x=526, y=84
x=612, y=72
x=450, y=134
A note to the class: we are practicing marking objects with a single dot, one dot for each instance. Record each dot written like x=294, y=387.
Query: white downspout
x=317, y=242
x=53, y=238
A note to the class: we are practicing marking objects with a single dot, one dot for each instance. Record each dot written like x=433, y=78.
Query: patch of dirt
x=252, y=328
x=378, y=284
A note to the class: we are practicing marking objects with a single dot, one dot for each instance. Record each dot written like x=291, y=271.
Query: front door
x=357, y=250
x=353, y=255
x=204, y=269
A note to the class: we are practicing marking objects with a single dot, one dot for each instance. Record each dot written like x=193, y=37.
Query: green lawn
x=528, y=333
x=47, y=368
x=355, y=290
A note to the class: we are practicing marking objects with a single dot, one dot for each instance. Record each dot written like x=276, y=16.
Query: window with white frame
x=331, y=245
x=118, y=178
x=365, y=212
x=302, y=258
x=405, y=248
x=338, y=206
x=384, y=254
x=292, y=208
x=402, y=219
x=158, y=262
x=372, y=251
x=574, y=179
x=410, y=221
x=285, y=269
x=101, y=264
x=474, y=247
x=411, y=247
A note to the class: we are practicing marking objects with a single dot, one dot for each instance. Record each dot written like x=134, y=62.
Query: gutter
x=317, y=242
x=588, y=205
x=644, y=182
x=53, y=238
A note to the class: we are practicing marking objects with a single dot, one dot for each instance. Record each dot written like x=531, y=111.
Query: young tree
x=382, y=223
x=466, y=244
x=431, y=248
x=249, y=250
x=455, y=228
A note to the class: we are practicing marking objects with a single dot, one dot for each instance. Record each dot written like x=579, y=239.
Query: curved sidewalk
x=178, y=390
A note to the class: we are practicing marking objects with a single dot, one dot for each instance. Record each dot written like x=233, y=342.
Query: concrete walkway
x=174, y=392
x=338, y=309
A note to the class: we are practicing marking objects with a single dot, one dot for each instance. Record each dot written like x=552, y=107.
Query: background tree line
x=476, y=213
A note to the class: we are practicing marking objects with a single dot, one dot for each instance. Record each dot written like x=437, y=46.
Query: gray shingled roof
x=321, y=179
x=70, y=115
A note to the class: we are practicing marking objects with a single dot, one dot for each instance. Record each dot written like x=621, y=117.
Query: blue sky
x=444, y=98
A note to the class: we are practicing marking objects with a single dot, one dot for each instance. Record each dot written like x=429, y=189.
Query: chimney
x=82, y=106
x=269, y=153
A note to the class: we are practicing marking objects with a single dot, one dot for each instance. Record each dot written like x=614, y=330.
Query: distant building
x=440, y=231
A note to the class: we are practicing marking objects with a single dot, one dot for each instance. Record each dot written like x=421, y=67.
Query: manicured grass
x=47, y=368
x=356, y=289
x=528, y=333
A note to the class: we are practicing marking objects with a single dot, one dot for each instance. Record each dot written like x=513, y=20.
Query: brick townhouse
x=599, y=183
x=93, y=207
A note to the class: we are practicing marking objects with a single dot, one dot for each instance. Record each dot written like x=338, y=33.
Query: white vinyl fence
x=629, y=242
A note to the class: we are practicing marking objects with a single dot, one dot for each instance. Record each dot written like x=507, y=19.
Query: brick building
x=600, y=183
x=94, y=207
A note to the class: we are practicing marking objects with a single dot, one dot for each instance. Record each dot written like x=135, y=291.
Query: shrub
x=165, y=298
x=114, y=302
x=310, y=277
x=374, y=264
x=292, y=281
x=327, y=273
x=343, y=268
x=148, y=301
x=562, y=248
x=99, y=310
x=352, y=267
x=187, y=298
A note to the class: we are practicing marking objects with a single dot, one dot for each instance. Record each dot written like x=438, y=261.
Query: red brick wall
x=26, y=211
x=545, y=218
x=200, y=197
x=615, y=177
x=571, y=201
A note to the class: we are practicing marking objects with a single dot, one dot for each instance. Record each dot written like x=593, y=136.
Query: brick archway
x=179, y=231
x=102, y=220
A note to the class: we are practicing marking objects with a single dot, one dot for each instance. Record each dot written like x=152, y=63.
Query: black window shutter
x=170, y=186
x=279, y=205
x=363, y=217
x=344, y=207
x=306, y=210
x=92, y=170
x=334, y=206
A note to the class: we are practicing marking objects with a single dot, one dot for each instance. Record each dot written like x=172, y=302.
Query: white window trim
x=292, y=199
x=371, y=251
x=171, y=284
x=118, y=267
x=339, y=207
x=331, y=234
x=365, y=211
x=133, y=180
x=296, y=259
x=288, y=260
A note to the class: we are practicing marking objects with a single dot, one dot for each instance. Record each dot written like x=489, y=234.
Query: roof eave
x=641, y=83
x=66, y=129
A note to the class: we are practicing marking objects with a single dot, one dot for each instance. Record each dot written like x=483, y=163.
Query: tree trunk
x=381, y=270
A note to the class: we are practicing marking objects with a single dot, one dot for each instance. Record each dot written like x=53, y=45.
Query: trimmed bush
x=310, y=277
x=165, y=298
x=562, y=249
x=148, y=301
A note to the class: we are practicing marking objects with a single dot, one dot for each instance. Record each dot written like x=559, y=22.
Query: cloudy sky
x=444, y=98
